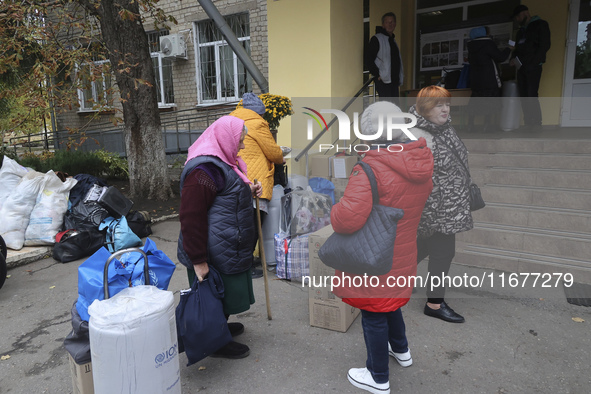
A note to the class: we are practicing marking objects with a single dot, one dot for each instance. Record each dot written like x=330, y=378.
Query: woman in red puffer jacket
x=404, y=181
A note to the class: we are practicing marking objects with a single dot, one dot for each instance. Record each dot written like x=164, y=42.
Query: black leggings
x=441, y=249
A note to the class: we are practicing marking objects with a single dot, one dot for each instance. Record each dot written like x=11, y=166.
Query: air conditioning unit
x=173, y=45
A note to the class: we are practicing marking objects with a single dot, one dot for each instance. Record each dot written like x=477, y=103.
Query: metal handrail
x=325, y=129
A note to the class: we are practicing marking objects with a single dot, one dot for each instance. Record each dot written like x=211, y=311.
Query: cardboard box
x=326, y=309
x=319, y=166
x=340, y=184
x=82, y=381
x=332, y=314
x=343, y=165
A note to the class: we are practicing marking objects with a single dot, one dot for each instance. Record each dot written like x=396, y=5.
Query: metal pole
x=211, y=10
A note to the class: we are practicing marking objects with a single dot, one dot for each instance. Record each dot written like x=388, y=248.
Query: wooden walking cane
x=263, y=259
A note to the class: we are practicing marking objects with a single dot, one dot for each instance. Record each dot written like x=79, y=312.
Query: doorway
x=577, y=83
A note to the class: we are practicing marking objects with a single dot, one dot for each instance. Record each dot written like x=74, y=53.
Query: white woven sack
x=48, y=214
x=16, y=211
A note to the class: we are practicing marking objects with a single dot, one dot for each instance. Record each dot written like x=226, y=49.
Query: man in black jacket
x=383, y=58
x=485, y=80
x=532, y=43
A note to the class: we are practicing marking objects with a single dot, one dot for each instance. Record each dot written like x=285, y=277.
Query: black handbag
x=370, y=250
x=476, y=200
x=202, y=327
x=280, y=175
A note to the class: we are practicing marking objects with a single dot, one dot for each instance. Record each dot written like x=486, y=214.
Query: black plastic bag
x=139, y=222
x=77, y=343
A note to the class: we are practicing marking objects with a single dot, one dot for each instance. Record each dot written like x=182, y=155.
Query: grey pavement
x=513, y=341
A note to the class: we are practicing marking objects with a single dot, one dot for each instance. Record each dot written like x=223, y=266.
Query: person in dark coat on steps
x=531, y=44
x=485, y=79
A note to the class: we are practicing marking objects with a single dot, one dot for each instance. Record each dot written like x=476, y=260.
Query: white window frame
x=160, y=77
x=217, y=45
x=83, y=104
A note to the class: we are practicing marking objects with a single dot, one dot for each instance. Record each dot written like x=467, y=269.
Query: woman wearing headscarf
x=217, y=226
x=447, y=210
x=260, y=153
x=403, y=175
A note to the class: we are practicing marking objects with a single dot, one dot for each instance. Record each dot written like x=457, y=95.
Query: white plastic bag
x=133, y=342
x=11, y=174
x=16, y=211
x=303, y=211
x=48, y=214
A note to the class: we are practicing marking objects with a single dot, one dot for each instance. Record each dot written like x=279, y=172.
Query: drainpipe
x=211, y=10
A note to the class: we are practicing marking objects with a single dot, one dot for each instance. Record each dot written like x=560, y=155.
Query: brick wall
x=184, y=71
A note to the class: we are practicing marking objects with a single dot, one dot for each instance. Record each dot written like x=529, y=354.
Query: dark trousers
x=256, y=227
x=441, y=249
x=528, y=83
x=379, y=328
x=387, y=90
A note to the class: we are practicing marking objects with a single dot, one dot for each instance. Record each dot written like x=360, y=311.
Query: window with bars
x=222, y=76
x=162, y=70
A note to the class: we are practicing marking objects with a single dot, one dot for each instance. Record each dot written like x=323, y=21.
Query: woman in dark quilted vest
x=403, y=175
x=217, y=225
x=447, y=210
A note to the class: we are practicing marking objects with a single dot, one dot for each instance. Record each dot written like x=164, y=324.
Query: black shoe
x=256, y=273
x=444, y=313
x=232, y=350
x=236, y=328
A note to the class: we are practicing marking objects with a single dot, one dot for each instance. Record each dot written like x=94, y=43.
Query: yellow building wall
x=315, y=50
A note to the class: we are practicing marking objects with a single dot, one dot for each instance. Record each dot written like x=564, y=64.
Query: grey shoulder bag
x=370, y=250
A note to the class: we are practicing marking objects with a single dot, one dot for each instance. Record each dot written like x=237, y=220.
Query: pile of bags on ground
x=78, y=214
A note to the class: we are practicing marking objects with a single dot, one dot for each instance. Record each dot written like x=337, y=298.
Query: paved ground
x=513, y=341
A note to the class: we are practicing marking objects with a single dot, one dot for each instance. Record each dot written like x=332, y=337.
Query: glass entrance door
x=577, y=83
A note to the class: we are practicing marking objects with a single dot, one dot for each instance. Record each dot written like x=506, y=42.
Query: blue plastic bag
x=90, y=280
x=324, y=186
x=125, y=272
x=160, y=266
x=119, y=235
x=202, y=327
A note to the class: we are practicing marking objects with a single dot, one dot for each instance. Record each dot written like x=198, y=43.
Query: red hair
x=429, y=97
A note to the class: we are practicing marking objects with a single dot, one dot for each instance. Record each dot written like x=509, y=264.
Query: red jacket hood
x=413, y=162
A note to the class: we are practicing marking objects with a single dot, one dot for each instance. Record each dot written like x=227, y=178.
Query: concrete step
x=547, y=242
x=531, y=160
x=543, y=177
x=521, y=262
x=571, y=220
x=528, y=145
x=537, y=196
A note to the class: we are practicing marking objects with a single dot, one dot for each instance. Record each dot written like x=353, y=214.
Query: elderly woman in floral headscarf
x=217, y=225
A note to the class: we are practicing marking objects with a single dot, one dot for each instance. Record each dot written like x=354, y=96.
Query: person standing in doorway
x=485, y=80
x=383, y=58
x=532, y=43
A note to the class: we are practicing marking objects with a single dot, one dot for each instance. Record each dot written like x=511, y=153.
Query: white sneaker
x=404, y=359
x=361, y=378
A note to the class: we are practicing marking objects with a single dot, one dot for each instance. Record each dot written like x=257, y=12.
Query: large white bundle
x=11, y=174
x=16, y=211
x=48, y=214
x=133, y=342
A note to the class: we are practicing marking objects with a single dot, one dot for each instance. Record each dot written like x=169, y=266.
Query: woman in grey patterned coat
x=447, y=210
